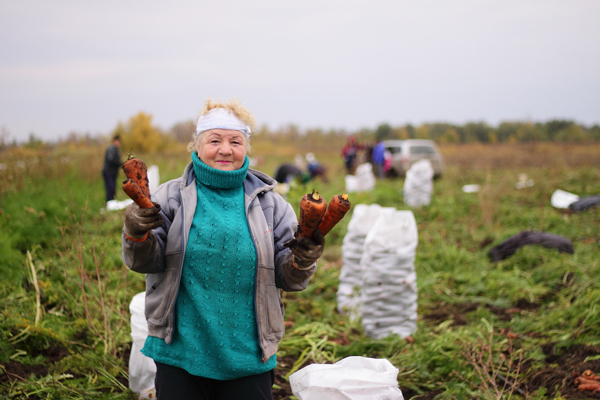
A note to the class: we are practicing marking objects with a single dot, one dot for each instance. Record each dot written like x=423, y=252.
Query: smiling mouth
x=224, y=162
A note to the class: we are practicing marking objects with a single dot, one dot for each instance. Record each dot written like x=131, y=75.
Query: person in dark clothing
x=349, y=153
x=315, y=168
x=287, y=172
x=110, y=170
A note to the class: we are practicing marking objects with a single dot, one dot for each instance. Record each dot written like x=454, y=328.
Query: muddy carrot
x=338, y=207
x=588, y=373
x=136, y=194
x=312, y=209
x=589, y=386
x=135, y=169
x=585, y=381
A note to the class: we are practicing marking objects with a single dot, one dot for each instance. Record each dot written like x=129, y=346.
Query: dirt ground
x=557, y=374
x=561, y=365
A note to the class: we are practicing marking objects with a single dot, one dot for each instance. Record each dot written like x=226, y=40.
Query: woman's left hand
x=307, y=250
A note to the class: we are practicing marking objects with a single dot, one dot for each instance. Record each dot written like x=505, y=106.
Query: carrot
x=588, y=373
x=581, y=380
x=312, y=209
x=590, y=386
x=338, y=207
x=135, y=169
x=135, y=192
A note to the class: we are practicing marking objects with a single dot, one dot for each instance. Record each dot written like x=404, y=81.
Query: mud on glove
x=307, y=250
x=138, y=221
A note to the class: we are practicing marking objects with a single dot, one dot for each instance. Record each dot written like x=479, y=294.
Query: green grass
x=72, y=353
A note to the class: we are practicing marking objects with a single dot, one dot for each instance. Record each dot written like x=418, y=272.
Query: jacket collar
x=255, y=183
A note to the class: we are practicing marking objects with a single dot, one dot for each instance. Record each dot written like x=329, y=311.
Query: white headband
x=220, y=118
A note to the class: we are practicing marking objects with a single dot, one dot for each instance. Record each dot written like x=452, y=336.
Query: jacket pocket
x=160, y=293
x=275, y=312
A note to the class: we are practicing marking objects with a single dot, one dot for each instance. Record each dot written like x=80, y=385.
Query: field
x=518, y=328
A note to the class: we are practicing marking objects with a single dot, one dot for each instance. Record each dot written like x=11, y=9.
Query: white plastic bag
x=153, y=178
x=348, y=295
x=418, y=185
x=562, y=199
x=389, y=283
x=142, y=369
x=353, y=378
x=113, y=205
x=363, y=179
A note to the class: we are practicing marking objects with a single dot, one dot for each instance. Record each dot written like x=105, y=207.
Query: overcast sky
x=84, y=66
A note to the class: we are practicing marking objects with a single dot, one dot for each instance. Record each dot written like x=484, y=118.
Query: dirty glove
x=306, y=250
x=138, y=221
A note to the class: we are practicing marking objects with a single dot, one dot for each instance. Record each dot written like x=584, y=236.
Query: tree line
x=142, y=134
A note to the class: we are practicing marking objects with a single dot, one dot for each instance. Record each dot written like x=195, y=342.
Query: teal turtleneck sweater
x=216, y=334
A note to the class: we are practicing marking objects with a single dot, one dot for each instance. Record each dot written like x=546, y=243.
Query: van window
x=421, y=150
x=395, y=150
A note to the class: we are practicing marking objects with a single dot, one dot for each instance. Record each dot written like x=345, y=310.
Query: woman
x=216, y=249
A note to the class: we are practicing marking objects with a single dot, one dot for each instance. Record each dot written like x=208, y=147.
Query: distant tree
x=476, y=132
x=449, y=136
x=422, y=132
x=383, y=132
x=34, y=142
x=4, y=134
x=438, y=130
x=506, y=130
x=555, y=126
x=183, y=132
x=572, y=133
x=594, y=132
x=411, y=131
x=528, y=133
x=139, y=134
x=400, y=133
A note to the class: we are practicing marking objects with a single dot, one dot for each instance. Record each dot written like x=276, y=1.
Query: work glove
x=138, y=221
x=306, y=250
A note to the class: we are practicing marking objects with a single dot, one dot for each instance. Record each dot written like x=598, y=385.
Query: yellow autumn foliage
x=140, y=135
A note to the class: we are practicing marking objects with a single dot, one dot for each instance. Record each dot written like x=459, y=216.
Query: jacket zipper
x=255, y=285
x=172, y=311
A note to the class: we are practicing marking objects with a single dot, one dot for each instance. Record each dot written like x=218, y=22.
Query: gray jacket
x=272, y=222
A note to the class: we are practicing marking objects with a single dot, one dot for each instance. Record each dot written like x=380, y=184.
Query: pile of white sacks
x=378, y=282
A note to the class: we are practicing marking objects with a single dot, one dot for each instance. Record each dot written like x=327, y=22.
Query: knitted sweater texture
x=216, y=334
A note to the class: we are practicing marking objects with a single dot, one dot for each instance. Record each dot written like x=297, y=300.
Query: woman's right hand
x=138, y=221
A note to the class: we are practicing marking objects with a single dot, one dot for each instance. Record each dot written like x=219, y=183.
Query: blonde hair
x=233, y=105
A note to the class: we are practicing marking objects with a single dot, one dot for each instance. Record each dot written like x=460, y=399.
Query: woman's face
x=222, y=149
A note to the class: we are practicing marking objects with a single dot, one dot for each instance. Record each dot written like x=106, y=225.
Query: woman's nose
x=225, y=148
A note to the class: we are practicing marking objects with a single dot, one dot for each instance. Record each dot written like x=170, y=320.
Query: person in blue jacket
x=378, y=158
x=216, y=249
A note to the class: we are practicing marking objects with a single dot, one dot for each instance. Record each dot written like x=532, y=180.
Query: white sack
x=141, y=368
x=352, y=184
x=353, y=378
x=363, y=179
x=562, y=199
x=113, y=205
x=418, y=185
x=389, y=282
x=348, y=295
x=153, y=178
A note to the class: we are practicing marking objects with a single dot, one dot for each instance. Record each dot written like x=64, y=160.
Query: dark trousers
x=110, y=185
x=173, y=383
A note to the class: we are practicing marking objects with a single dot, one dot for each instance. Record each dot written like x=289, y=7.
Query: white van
x=406, y=152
